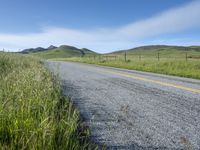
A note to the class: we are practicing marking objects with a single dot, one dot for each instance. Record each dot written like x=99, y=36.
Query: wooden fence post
x=158, y=56
x=140, y=56
x=125, y=56
x=186, y=56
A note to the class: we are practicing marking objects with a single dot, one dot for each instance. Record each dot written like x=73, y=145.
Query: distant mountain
x=51, y=47
x=62, y=51
x=38, y=49
x=33, y=50
x=87, y=50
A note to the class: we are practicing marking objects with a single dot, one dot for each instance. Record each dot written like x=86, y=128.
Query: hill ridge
x=58, y=52
x=158, y=47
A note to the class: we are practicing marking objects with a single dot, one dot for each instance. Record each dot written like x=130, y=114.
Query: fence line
x=156, y=56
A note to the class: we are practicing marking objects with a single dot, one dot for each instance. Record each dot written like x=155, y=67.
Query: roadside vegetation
x=33, y=112
x=177, y=65
x=170, y=60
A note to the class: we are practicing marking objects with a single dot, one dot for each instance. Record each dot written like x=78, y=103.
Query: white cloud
x=170, y=21
x=105, y=39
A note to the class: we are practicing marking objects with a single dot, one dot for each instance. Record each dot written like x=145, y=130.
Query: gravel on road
x=127, y=109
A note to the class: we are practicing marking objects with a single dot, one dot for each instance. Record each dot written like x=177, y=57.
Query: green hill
x=64, y=51
x=154, y=48
x=163, y=50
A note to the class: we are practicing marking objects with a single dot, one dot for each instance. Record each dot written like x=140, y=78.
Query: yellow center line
x=154, y=81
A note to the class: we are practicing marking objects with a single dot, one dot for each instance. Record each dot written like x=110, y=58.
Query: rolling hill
x=156, y=48
x=63, y=51
x=163, y=50
x=151, y=48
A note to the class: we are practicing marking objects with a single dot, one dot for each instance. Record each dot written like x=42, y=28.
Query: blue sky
x=101, y=25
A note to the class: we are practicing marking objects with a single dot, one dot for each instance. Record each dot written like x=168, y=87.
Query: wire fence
x=139, y=57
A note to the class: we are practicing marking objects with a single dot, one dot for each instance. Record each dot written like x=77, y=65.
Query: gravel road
x=131, y=109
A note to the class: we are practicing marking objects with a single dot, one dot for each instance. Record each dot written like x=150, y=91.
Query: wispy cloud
x=104, y=39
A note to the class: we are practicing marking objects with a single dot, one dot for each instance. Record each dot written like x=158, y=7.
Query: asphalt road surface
x=131, y=109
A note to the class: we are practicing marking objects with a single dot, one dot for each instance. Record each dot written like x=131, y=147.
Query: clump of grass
x=33, y=112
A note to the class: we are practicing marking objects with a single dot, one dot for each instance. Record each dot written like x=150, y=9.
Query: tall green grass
x=33, y=112
x=169, y=66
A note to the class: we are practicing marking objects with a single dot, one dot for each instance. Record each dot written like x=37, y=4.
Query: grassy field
x=33, y=112
x=169, y=66
x=164, y=52
x=171, y=60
